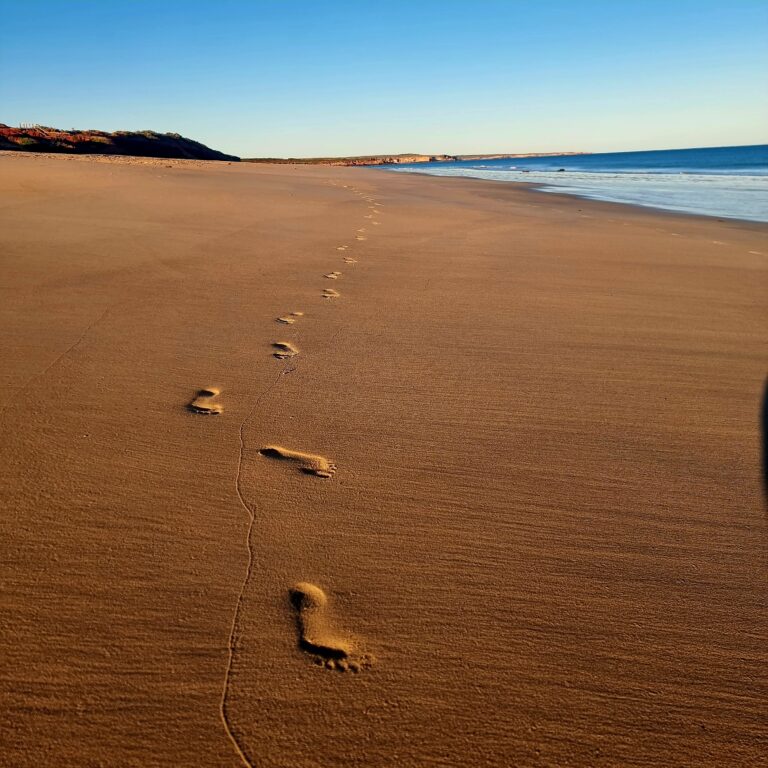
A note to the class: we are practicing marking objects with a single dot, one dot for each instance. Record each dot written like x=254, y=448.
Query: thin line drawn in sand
x=203, y=402
x=290, y=318
x=333, y=275
x=71, y=348
x=234, y=629
x=309, y=463
x=284, y=349
x=316, y=637
x=329, y=293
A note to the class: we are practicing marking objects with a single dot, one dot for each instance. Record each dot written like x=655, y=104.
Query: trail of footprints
x=317, y=636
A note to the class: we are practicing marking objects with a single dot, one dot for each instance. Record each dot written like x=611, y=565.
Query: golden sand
x=545, y=541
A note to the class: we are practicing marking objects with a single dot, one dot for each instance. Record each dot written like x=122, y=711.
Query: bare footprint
x=349, y=260
x=341, y=247
x=291, y=318
x=329, y=293
x=309, y=463
x=333, y=275
x=360, y=237
x=284, y=349
x=315, y=635
x=203, y=402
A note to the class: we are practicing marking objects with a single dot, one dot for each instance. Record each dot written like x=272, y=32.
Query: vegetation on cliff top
x=40, y=138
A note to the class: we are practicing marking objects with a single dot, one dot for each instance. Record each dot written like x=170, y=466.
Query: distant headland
x=41, y=138
x=397, y=159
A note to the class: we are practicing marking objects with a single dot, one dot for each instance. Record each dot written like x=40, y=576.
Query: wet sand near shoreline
x=336, y=467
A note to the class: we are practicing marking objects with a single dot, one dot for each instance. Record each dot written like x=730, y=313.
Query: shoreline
x=534, y=187
x=464, y=473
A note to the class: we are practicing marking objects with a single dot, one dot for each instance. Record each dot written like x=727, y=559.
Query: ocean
x=726, y=182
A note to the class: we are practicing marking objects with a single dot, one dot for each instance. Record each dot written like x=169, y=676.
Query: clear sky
x=348, y=77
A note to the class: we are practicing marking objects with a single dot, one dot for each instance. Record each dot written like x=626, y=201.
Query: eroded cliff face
x=384, y=159
x=40, y=138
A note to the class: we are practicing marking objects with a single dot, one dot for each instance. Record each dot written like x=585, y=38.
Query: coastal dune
x=494, y=499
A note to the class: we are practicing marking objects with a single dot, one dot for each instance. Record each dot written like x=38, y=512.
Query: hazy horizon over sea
x=727, y=182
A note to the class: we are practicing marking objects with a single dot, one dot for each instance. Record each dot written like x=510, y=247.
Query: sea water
x=727, y=182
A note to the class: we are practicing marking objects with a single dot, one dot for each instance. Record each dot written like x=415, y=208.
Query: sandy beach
x=310, y=466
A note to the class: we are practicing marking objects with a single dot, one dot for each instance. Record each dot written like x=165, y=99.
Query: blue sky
x=344, y=78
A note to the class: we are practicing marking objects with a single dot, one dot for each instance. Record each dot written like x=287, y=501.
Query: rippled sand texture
x=497, y=501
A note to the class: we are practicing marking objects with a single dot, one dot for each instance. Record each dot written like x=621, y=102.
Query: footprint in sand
x=368, y=217
x=316, y=636
x=333, y=275
x=349, y=260
x=309, y=463
x=361, y=237
x=290, y=319
x=341, y=247
x=360, y=231
x=375, y=223
x=329, y=293
x=284, y=349
x=203, y=402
